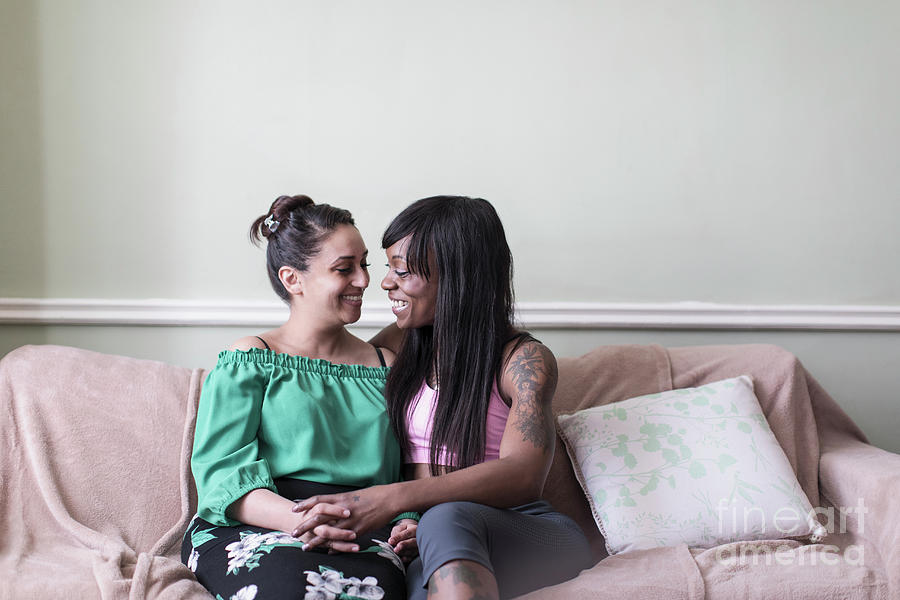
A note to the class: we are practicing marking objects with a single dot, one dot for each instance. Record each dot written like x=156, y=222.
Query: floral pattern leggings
x=253, y=563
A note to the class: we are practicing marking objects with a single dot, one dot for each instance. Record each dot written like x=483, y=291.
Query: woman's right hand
x=326, y=534
x=370, y=508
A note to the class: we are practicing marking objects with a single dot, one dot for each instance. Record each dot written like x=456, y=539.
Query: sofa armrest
x=852, y=470
x=863, y=482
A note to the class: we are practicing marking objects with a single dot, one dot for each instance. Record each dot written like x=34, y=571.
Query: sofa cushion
x=698, y=466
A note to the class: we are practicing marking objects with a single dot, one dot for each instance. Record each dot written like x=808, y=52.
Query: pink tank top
x=419, y=423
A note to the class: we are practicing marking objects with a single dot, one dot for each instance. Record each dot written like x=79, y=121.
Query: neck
x=302, y=334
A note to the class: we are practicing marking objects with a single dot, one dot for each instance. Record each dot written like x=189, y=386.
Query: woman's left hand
x=370, y=508
x=403, y=539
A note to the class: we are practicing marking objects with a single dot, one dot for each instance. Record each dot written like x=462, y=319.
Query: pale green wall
x=637, y=151
x=740, y=152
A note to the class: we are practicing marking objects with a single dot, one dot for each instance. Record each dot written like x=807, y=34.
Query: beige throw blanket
x=95, y=478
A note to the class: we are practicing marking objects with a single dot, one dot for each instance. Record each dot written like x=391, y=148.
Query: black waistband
x=297, y=489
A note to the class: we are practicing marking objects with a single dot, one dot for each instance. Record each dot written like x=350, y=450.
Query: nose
x=362, y=279
x=388, y=282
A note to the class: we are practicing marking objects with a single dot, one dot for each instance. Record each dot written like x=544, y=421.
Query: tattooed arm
x=526, y=451
x=529, y=382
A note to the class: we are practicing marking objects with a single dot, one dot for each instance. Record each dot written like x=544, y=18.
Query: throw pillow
x=698, y=466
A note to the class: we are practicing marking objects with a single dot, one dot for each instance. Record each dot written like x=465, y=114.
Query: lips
x=352, y=299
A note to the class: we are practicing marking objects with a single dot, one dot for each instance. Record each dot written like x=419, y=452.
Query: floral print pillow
x=698, y=466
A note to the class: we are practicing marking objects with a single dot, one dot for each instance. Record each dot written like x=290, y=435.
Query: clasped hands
x=329, y=522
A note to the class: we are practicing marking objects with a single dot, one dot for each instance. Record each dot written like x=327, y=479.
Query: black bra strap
x=263, y=341
x=380, y=356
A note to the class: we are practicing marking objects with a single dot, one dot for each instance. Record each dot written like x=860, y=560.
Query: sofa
x=97, y=491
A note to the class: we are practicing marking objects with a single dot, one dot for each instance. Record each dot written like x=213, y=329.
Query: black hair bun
x=281, y=208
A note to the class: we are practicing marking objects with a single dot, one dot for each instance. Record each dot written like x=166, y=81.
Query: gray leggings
x=527, y=547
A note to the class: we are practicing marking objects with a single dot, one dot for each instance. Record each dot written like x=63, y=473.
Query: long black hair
x=295, y=228
x=464, y=239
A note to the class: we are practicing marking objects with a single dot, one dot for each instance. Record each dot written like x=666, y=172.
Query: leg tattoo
x=462, y=580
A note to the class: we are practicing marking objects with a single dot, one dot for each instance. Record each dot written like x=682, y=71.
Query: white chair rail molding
x=534, y=315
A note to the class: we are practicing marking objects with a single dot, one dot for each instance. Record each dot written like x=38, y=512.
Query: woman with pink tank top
x=469, y=399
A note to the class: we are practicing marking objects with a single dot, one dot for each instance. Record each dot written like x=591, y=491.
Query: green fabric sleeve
x=407, y=515
x=225, y=460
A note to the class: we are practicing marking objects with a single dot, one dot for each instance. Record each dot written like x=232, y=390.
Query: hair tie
x=271, y=223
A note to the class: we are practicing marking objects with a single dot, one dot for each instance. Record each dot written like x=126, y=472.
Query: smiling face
x=333, y=284
x=413, y=298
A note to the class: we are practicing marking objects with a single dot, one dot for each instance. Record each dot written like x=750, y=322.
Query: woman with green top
x=295, y=412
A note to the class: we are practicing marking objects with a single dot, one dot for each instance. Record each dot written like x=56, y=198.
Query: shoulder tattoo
x=533, y=372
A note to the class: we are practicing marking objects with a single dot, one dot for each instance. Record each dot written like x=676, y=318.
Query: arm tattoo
x=533, y=372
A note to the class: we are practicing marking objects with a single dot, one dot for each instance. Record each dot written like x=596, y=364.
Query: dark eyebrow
x=340, y=258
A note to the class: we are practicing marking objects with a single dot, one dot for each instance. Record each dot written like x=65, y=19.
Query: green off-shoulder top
x=264, y=415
